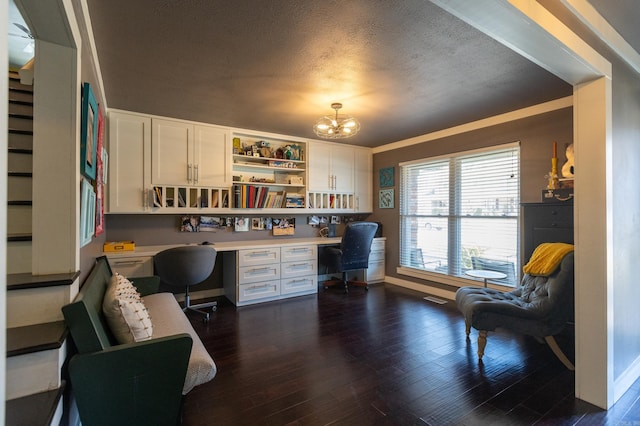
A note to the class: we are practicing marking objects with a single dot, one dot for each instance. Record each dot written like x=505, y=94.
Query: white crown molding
x=554, y=105
x=589, y=16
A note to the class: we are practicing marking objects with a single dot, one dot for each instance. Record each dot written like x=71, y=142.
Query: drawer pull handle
x=128, y=262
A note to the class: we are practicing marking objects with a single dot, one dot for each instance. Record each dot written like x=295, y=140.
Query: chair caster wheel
x=366, y=289
x=214, y=308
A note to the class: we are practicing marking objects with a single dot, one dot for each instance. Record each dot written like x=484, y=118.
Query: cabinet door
x=319, y=165
x=130, y=165
x=211, y=156
x=342, y=161
x=170, y=145
x=363, y=184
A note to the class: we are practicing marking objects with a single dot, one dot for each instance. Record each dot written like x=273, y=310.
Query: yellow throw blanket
x=546, y=258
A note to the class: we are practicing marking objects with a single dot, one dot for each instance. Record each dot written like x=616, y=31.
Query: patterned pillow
x=125, y=312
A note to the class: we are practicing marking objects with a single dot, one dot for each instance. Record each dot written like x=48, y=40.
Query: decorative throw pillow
x=125, y=312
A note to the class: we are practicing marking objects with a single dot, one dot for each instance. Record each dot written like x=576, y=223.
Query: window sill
x=448, y=279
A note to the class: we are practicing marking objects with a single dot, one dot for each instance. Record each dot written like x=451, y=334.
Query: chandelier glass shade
x=336, y=127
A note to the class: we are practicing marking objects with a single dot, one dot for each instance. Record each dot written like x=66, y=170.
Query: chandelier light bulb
x=336, y=127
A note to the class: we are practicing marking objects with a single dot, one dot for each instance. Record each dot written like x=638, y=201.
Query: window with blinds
x=461, y=212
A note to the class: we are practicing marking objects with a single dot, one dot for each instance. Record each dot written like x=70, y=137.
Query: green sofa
x=135, y=383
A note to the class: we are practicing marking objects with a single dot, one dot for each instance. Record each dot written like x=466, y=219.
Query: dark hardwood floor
x=384, y=357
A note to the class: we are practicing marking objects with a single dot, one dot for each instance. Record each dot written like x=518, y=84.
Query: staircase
x=36, y=335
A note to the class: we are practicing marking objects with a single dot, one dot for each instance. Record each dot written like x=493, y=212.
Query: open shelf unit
x=268, y=172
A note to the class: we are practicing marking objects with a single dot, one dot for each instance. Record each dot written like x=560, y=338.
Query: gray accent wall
x=536, y=135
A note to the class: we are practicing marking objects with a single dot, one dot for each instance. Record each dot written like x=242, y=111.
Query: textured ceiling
x=403, y=68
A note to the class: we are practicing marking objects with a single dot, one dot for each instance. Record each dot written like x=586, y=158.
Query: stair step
x=35, y=338
x=21, y=151
x=24, y=281
x=21, y=116
x=37, y=409
x=19, y=237
x=21, y=131
x=20, y=101
x=20, y=174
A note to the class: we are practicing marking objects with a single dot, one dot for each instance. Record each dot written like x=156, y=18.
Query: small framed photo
x=88, y=133
x=385, y=198
x=241, y=224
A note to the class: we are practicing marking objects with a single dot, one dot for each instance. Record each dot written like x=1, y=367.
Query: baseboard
x=626, y=379
x=423, y=288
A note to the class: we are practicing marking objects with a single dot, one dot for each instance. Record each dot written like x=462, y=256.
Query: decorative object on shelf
x=210, y=223
x=553, y=174
x=568, y=168
x=338, y=127
x=386, y=177
x=88, y=133
x=385, y=198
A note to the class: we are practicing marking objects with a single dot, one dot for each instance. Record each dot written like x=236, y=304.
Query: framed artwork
x=100, y=176
x=87, y=213
x=385, y=198
x=386, y=177
x=89, y=133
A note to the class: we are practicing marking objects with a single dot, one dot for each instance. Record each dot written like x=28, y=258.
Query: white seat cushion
x=168, y=319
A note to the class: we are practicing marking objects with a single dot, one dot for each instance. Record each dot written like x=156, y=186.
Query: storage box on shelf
x=268, y=173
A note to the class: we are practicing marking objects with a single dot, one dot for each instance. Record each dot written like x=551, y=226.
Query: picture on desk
x=241, y=224
x=210, y=223
x=284, y=226
x=190, y=224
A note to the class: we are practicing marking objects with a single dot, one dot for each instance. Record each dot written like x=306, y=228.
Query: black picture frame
x=88, y=133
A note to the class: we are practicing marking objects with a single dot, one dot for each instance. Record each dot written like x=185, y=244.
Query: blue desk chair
x=353, y=253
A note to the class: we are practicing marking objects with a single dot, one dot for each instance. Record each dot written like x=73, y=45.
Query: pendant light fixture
x=336, y=127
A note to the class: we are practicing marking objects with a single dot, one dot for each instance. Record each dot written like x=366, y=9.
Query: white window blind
x=462, y=212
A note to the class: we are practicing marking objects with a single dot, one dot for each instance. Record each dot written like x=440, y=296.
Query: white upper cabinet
x=212, y=156
x=186, y=154
x=331, y=167
x=129, y=162
x=363, y=180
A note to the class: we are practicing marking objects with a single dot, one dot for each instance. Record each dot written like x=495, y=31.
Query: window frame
x=455, y=219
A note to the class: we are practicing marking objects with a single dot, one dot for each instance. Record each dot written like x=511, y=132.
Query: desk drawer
x=377, y=245
x=298, y=269
x=131, y=267
x=262, y=290
x=299, y=284
x=263, y=256
x=291, y=253
x=254, y=274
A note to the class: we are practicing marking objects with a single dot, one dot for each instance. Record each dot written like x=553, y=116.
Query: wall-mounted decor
x=283, y=226
x=385, y=200
x=386, y=177
x=100, y=172
x=87, y=212
x=88, y=133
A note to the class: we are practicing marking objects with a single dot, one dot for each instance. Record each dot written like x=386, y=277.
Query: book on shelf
x=225, y=199
x=157, y=196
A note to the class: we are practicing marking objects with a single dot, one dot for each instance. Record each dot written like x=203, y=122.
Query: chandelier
x=338, y=127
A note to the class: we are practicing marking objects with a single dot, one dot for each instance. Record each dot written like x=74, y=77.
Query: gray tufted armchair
x=540, y=307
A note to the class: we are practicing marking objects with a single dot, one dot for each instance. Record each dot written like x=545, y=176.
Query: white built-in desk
x=253, y=271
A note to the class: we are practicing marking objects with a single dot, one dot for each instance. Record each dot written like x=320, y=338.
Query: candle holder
x=553, y=182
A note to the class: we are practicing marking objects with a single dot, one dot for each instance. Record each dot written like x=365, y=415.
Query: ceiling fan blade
x=23, y=28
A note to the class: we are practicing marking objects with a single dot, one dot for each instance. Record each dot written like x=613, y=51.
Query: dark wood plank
x=384, y=357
